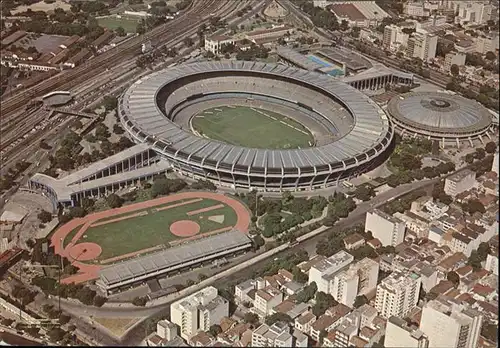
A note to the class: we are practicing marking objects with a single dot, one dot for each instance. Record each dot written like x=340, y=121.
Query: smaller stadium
x=163, y=225
x=451, y=119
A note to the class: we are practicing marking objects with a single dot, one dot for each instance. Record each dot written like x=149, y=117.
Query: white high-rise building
x=198, y=312
x=494, y=166
x=448, y=323
x=394, y=37
x=322, y=272
x=367, y=271
x=344, y=286
x=399, y=335
x=459, y=182
x=422, y=45
x=472, y=12
x=386, y=228
x=398, y=294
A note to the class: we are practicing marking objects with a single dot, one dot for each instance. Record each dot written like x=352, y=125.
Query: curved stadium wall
x=146, y=110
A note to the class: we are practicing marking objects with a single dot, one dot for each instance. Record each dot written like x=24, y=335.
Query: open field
x=129, y=24
x=251, y=127
x=113, y=235
x=151, y=229
x=117, y=326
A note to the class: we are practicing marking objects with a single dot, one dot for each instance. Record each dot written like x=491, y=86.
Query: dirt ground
x=42, y=6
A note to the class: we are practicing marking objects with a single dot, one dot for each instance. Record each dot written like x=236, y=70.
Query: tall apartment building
x=399, y=335
x=397, y=294
x=448, y=323
x=394, y=38
x=322, y=272
x=488, y=43
x=386, y=228
x=198, y=312
x=344, y=286
x=422, y=45
x=367, y=271
x=459, y=182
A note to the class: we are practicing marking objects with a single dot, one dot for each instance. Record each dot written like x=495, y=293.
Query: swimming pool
x=319, y=61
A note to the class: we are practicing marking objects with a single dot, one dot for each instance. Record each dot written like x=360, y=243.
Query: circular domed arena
x=255, y=125
x=449, y=118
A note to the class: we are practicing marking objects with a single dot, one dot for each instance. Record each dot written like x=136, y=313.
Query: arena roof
x=439, y=112
x=141, y=114
x=298, y=59
x=352, y=60
x=173, y=258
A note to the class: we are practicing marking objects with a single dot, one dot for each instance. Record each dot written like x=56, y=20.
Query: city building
x=322, y=271
x=422, y=45
x=276, y=335
x=166, y=330
x=495, y=165
x=394, y=38
x=492, y=263
x=214, y=43
x=367, y=271
x=266, y=299
x=472, y=12
x=397, y=294
x=269, y=34
x=198, y=312
x=486, y=43
x=344, y=286
x=398, y=334
x=303, y=323
x=448, y=323
x=459, y=182
x=354, y=241
x=386, y=228
x=453, y=58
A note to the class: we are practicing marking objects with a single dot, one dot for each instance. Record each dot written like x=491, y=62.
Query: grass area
x=244, y=126
x=117, y=326
x=142, y=232
x=70, y=236
x=130, y=25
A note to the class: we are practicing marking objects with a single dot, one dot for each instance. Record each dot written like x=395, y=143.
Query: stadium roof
x=140, y=113
x=439, y=112
x=175, y=257
x=378, y=70
x=352, y=60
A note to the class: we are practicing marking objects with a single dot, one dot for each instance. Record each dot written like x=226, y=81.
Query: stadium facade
x=446, y=117
x=361, y=133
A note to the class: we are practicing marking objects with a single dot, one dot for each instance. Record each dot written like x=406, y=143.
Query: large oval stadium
x=257, y=125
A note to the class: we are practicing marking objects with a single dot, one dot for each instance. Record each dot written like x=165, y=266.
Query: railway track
x=17, y=129
x=192, y=18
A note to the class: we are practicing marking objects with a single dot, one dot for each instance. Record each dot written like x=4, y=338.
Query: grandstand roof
x=173, y=257
x=141, y=114
x=352, y=60
x=378, y=70
x=439, y=112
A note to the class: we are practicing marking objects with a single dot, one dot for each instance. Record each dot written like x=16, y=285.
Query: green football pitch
x=251, y=127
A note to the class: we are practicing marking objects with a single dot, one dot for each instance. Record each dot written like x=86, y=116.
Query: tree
x=202, y=277
x=139, y=301
x=364, y=192
x=56, y=334
x=489, y=331
x=270, y=320
x=473, y=206
x=491, y=147
x=454, y=70
x=453, y=277
x=215, y=330
x=188, y=42
x=258, y=241
x=102, y=132
x=64, y=318
x=44, y=216
x=359, y=301
x=474, y=260
x=469, y=158
x=114, y=201
x=120, y=31
x=99, y=301
x=323, y=302
x=251, y=318
x=307, y=293
x=491, y=56
x=110, y=102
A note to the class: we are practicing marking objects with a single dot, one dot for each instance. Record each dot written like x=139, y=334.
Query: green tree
x=491, y=56
x=99, y=301
x=359, y=301
x=307, y=293
x=474, y=260
x=251, y=318
x=453, y=277
x=270, y=320
x=140, y=301
x=110, y=102
x=215, y=330
x=114, y=201
x=323, y=302
x=454, y=70
x=64, y=318
x=491, y=147
x=120, y=31
x=44, y=216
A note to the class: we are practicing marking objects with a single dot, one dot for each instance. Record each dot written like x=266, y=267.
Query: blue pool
x=319, y=61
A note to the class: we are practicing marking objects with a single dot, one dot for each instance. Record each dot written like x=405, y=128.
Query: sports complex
x=448, y=118
x=257, y=125
x=127, y=245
